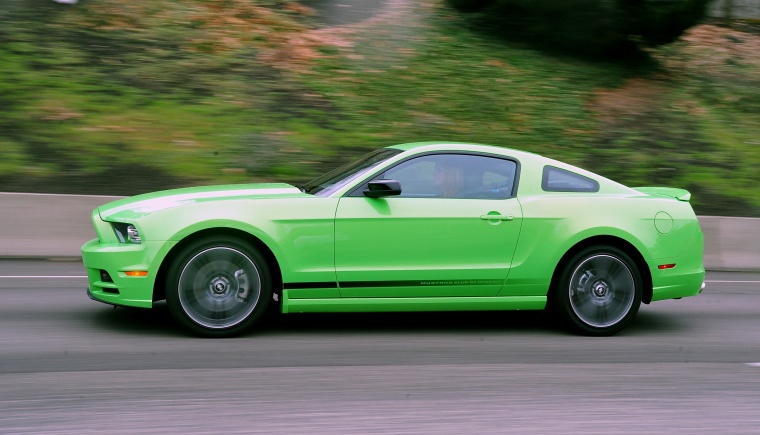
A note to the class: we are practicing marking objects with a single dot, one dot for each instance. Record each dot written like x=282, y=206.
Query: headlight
x=127, y=233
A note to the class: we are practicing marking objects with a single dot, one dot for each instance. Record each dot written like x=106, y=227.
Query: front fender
x=298, y=231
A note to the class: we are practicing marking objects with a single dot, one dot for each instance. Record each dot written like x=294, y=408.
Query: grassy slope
x=123, y=97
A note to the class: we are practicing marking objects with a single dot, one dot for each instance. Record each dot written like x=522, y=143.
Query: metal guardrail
x=56, y=226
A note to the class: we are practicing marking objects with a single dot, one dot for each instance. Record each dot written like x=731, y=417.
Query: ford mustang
x=412, y=227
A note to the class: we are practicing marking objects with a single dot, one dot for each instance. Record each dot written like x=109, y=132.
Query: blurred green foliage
x=114, y=97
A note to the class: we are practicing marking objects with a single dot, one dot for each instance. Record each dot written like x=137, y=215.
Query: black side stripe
x=308, y=285
x=367, y=284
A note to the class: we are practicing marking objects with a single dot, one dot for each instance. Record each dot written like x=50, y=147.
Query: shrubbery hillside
x=121, y=97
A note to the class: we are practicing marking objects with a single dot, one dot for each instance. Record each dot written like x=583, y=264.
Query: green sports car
x=413, y=227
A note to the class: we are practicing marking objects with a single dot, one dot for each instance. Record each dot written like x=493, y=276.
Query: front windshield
x=337, y=178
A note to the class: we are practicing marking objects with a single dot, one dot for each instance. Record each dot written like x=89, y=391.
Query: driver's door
x=436, y=238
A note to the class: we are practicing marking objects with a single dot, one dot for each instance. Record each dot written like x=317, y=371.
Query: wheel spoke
x=601, y=313
x=622, y=282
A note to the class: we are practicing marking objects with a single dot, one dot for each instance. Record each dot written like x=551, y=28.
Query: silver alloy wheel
x=602, y=290
x=219, y=287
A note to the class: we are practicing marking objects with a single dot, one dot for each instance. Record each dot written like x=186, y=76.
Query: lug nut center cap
x=600, y=290
x=219, y=286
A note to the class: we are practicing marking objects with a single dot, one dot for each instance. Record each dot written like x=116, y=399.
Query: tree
x=588, y=24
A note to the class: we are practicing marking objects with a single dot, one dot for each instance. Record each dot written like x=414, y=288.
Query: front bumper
x=106, y=264
x=90, y=295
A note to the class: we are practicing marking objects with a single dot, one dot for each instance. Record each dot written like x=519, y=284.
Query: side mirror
x=379, y=188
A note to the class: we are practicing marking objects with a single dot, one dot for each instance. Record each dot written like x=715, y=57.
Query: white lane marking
x=84, y=276
x=740, y=282
x=60, y=194
x=38, y=277
x=753, y=364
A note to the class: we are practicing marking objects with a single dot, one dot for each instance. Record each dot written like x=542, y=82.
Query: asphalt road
x=69, y=365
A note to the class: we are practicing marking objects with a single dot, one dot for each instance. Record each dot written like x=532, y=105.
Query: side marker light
x=136, y=273
x=666, y=266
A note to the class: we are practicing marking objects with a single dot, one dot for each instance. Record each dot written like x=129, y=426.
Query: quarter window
x=560, y=180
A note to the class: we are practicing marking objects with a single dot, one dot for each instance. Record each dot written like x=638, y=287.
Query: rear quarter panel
x=555, y=222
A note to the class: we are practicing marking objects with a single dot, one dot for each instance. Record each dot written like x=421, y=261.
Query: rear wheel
x=600, y=291
x=218, y=287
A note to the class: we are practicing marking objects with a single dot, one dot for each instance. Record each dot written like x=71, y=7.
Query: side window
x=463, y=176
x=560, y=180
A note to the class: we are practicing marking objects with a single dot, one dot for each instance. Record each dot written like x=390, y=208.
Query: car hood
x=141, y=205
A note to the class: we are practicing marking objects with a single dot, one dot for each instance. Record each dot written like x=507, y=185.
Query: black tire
x=218, y=287
x=599, y=292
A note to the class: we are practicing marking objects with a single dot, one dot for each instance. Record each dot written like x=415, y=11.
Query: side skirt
x=367, y=305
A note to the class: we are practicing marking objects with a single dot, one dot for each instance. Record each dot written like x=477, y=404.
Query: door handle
x=497, y=217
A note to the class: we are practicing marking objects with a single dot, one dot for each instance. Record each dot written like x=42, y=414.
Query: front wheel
x=218, y=287
x=600, y=291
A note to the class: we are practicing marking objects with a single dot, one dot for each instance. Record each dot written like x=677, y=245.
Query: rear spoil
x=670, y=192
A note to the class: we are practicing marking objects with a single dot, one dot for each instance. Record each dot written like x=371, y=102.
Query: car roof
x=461, y=146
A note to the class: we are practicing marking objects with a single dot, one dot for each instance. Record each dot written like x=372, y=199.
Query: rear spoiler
x=670, y=192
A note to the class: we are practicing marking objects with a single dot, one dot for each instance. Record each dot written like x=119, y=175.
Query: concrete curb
x=47, y=226
x=731, y=244
x=56, y=226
